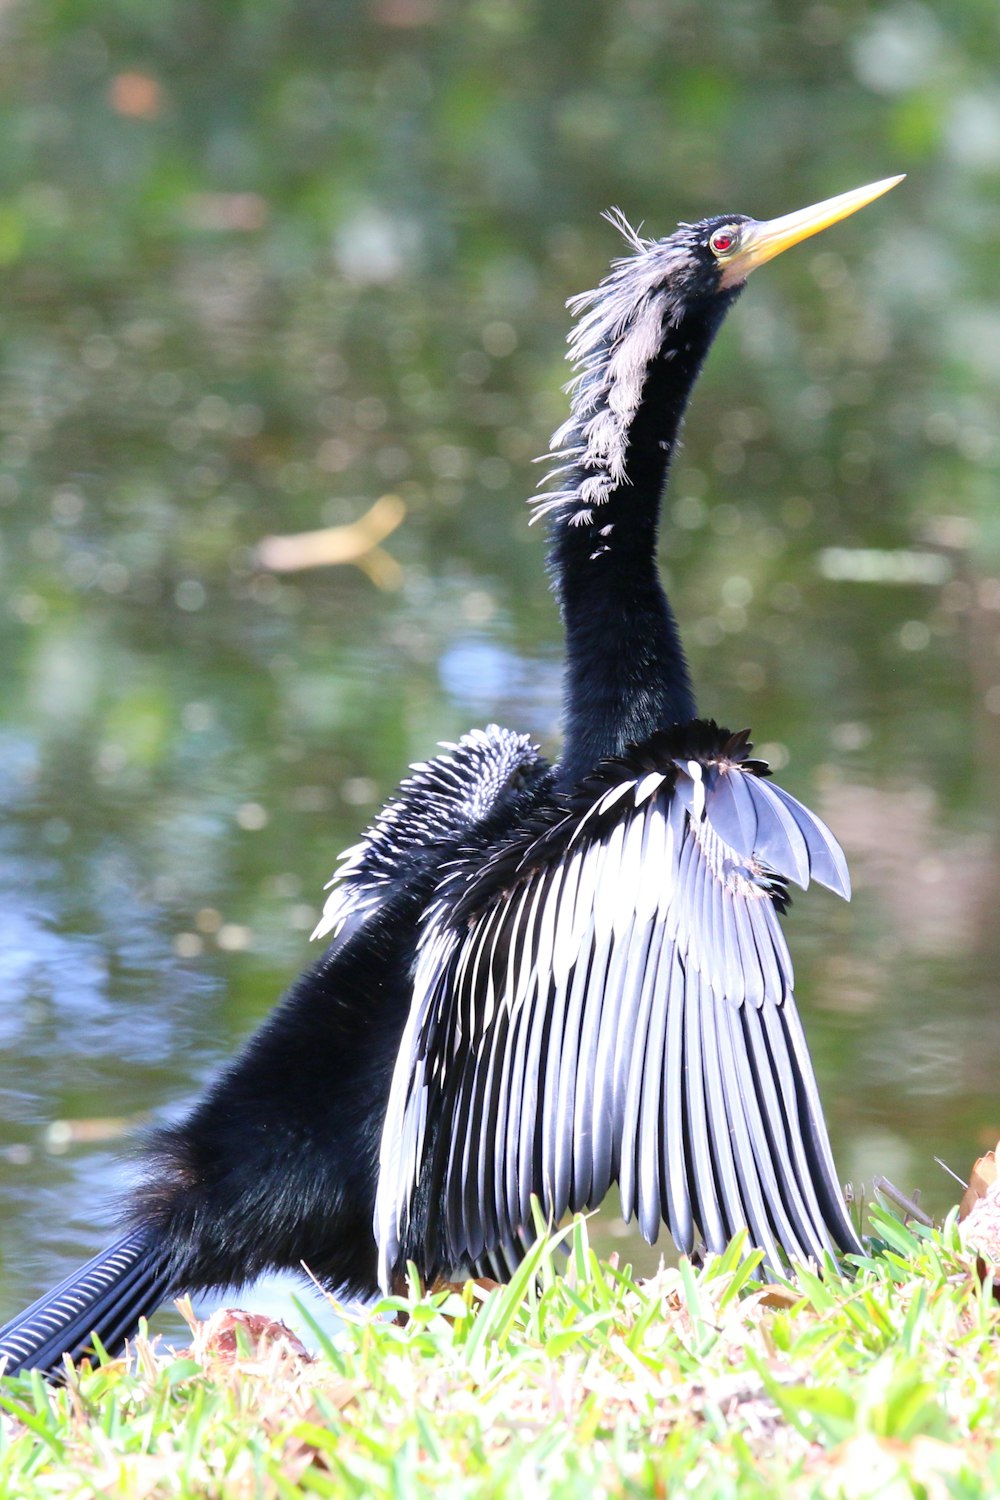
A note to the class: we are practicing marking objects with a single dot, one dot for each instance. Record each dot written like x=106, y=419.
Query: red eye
x=722, y=241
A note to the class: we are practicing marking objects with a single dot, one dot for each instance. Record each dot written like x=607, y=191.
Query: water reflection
x=477, y=674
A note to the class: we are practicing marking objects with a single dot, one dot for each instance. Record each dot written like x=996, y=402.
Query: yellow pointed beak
x=758, y=243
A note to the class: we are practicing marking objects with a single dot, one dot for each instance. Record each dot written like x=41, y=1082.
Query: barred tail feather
x=125, y=1282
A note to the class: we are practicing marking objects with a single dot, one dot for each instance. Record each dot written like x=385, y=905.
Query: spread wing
x=614, y=1001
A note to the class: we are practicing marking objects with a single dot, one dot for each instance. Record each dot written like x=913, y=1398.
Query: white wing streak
x=622, y=1011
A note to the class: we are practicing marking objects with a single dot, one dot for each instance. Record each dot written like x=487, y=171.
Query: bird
x=541, y=978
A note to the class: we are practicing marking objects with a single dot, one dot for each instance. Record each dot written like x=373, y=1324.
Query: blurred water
x=250, y=298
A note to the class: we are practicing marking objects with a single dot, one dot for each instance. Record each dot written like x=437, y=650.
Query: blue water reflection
x=489, y=682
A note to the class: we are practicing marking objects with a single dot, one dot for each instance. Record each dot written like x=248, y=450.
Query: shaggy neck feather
x=626, y=674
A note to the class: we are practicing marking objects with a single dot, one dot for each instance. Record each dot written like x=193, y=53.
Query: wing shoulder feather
x=439, y=802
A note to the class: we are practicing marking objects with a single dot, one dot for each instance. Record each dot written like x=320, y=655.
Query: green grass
x=698, y=1382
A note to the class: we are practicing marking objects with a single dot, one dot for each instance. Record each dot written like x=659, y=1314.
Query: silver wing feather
x=621, y=1008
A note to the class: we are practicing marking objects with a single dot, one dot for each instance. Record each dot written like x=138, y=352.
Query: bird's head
x=658, y=309
x=717, y=255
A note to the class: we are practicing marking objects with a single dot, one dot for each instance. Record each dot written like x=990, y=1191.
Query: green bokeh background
x=264, y=262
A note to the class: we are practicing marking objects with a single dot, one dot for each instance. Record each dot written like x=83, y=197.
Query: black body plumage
x=539, y=980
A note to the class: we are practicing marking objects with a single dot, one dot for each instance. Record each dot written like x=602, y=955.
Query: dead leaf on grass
x=232, y=1334
x=981, y=1179
x=779, y=1296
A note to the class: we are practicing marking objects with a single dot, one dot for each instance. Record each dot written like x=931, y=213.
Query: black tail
x=127, y=1281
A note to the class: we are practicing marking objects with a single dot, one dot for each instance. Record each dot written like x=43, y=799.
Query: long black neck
x=626, y=675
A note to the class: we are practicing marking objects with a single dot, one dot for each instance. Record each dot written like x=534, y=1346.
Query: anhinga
x=541, y=979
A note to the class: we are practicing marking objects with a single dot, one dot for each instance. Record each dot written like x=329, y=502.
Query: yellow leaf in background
x=356, y=543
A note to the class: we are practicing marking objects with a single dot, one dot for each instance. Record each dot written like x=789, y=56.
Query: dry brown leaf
x=779, y=1296
x=981, y=1179
x=226, y=1329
